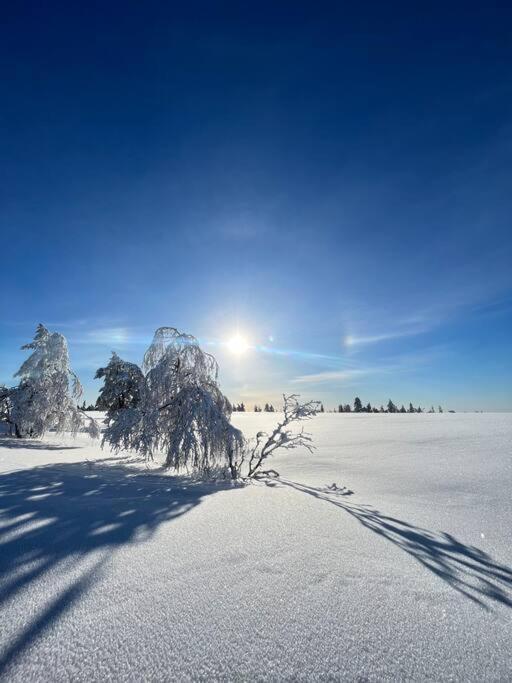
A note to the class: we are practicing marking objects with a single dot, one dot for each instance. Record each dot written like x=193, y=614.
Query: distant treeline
x=357, y=407
x=390, y=408
x=240, y=408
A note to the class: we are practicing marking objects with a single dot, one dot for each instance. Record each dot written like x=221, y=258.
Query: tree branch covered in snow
x=282, y=437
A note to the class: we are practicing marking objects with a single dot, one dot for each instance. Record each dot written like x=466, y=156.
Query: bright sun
x=238, y=344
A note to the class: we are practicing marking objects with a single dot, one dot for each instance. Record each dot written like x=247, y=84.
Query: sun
x=237, y=344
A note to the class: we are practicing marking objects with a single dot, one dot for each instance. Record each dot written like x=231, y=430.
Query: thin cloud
x=335, y=376
x=351, y=340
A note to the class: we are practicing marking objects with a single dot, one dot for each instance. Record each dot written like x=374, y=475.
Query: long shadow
x=62, y=516
x=467, y=569
x=28, y=444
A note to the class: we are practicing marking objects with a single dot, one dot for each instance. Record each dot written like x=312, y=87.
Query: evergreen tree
x=369, y=408
x=122, y=385
x=411, y=408
x=348, y=408
x=322, y=408
x=358, y=406
x=46, y=397
x=402, y=409
x=392, y=407
x=440, y=410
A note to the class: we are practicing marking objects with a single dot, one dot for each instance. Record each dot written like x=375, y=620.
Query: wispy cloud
x=405, y=363
x=351, y=340
x=335, y=376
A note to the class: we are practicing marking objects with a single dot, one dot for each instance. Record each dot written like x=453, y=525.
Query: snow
x=401, y=571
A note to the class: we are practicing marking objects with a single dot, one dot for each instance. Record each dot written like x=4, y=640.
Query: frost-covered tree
x=5, y=405
x=266, y=444
x=180, y=409
x=122, y=384
x=48, y=390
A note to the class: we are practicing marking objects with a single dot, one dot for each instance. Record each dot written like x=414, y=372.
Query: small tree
x=358, y=406
x=369, y=408
x=348, y=408
x=122, y=385
x=266, y=444
x=392, y=407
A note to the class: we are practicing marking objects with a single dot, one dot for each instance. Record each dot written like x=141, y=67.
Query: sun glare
x=237, y=345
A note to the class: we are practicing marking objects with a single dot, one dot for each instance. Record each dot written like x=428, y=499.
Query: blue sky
x=331, y=181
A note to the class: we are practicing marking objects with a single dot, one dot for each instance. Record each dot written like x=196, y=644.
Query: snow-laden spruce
x=174, y=405
x=122, y=384
x=48, y=390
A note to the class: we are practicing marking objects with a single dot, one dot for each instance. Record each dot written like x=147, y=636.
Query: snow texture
x=384, y=555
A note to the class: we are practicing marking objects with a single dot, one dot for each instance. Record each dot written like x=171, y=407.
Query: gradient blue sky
x=331, y=179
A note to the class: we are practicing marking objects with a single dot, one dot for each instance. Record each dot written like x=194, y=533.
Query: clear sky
x=332, y=181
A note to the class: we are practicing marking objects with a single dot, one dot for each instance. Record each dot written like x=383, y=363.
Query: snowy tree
x=180, y=409
x=281, y=437
x=5, y=405
x=358, y=406
x=122, y=384
x=48, y=390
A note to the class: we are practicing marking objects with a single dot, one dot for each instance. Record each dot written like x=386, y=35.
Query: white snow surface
x=111, y=572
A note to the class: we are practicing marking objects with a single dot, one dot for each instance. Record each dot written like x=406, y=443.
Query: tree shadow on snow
x=63, y=518
x=28, y=444
x=467, y=569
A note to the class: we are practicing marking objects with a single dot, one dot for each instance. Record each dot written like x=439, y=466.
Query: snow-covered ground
x=108, y=573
